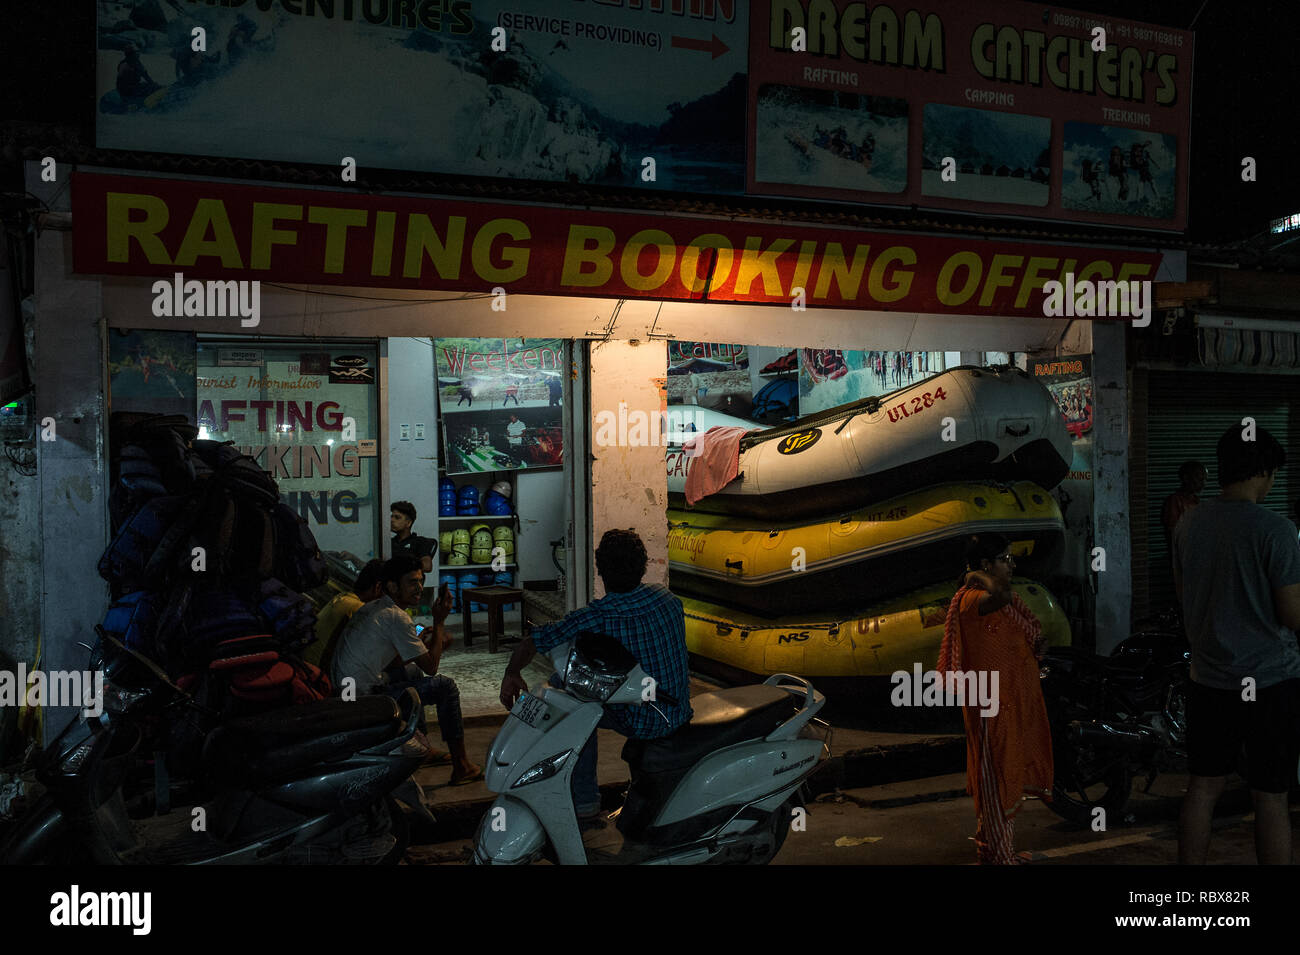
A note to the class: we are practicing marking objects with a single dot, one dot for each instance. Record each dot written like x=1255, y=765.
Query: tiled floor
x=478, y=672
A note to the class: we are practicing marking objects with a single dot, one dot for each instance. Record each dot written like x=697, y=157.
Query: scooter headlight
x=545, y=769
x=598, y=665
x=584, y=682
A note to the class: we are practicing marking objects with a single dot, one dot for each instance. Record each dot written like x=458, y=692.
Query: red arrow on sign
x=714, y=45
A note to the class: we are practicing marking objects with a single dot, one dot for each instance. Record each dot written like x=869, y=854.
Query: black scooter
x=305, y=784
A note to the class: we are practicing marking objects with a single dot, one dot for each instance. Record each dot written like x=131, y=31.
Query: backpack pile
x=205, y=557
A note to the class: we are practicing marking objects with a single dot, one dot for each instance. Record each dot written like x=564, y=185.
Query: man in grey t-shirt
x=1237, y=572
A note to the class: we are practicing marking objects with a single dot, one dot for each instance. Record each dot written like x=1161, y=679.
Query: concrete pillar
x=629, y=483
x=1110, y=483
x=70, y=376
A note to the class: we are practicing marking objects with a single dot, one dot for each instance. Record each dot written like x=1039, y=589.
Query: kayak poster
x=969, y=107
x=1069, y=379
x=151, y=372
x=428, y=87
x=500, y=402
x=830, y=376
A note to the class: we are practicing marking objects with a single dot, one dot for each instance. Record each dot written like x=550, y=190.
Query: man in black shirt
x=402, y=517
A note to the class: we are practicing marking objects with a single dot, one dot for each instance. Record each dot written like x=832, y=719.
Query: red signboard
x=1010, y=108
x=126, y=225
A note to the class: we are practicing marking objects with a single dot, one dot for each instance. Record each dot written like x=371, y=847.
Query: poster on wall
x=303, y=427
x=500, y=401
x=293, y=82
x=711, y=375
x=1069, y=379
x=830, y=377
x=951, y=106
x=151, y=372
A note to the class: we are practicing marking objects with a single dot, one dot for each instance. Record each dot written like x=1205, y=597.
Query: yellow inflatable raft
x=853, y=560
x=890, y=636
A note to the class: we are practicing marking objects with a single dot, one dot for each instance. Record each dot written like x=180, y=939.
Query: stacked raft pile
x=836, y=550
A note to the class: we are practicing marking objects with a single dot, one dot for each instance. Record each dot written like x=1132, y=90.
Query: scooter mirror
x=129, y=668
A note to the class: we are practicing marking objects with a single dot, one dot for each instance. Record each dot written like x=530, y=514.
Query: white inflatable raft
x=965, y=424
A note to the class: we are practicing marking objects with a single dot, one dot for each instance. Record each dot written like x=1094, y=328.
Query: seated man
x=646, y=619
x=382, y=634
x=334, y=616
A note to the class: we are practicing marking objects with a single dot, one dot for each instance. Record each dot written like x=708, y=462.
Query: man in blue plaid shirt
x=645, y=618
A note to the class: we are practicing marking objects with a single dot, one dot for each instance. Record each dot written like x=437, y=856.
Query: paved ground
x=931, y=822
x=893, y=794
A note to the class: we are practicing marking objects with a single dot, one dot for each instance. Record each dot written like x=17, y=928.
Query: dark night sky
x=1246, y=87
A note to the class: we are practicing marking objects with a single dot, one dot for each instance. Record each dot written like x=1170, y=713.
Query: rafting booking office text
x=242, y=233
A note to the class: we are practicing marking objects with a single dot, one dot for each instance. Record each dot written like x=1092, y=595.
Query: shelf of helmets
x=473, y=537
x=498, y=495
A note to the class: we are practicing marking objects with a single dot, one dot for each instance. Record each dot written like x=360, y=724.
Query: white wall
x=412, y=465
x=301, y=311
x=629, y=485
x=540, y=506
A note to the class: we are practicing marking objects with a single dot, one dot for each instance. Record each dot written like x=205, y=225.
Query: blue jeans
x=583, y=784
x=439, y=691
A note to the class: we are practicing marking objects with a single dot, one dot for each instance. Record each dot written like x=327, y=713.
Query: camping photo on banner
x=830, y=377
x=292, y=82
x=151, y=372
x=500, y=402
x=282, y=405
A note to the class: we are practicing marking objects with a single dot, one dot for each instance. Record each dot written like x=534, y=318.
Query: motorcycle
x=1114, y=718
x=307, y=783
x=721, y=789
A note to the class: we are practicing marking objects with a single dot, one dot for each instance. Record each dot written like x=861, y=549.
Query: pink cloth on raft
x=714, y=461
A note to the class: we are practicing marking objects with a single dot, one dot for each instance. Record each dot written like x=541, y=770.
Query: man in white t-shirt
x=515, y=435
x=381, y=638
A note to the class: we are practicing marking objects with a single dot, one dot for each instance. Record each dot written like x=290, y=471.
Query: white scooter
x=720, y=789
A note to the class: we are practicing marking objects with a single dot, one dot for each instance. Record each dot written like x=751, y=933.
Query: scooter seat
x=720, y=719
x=273, y=744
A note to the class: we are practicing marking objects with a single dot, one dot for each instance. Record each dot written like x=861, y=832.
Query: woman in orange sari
x=1008, y=755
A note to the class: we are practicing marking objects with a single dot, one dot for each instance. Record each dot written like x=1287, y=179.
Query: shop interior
x=473, y=435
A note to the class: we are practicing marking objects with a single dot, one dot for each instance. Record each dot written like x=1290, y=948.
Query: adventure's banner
x=198, y=230
x=1010, y=108
x=551, y=90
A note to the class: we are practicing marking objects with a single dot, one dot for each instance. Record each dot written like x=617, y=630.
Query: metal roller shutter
x=1186, y=411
